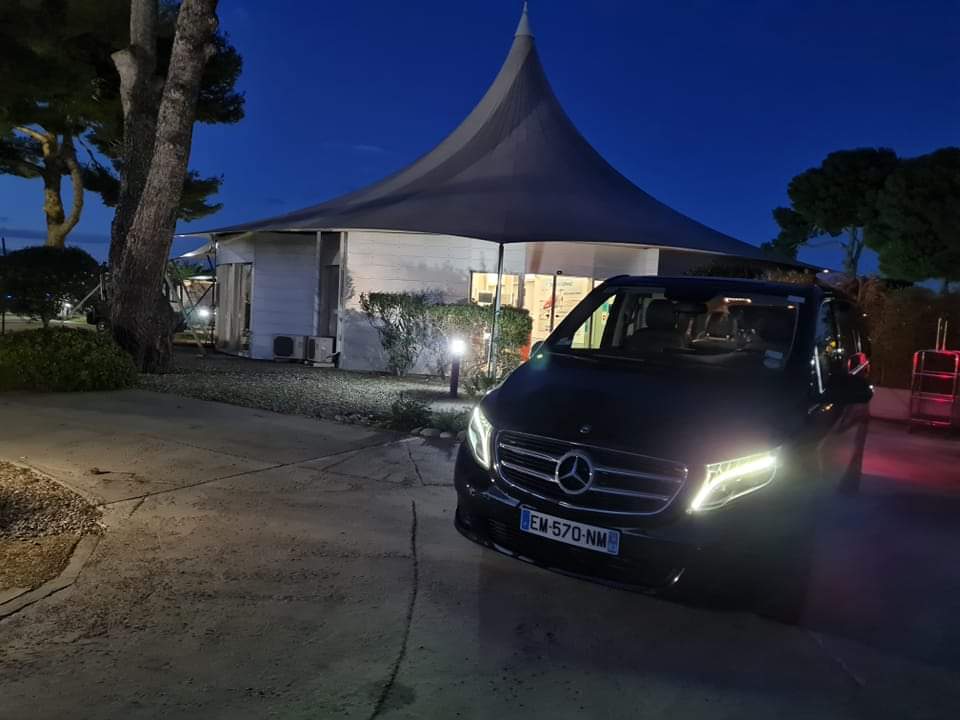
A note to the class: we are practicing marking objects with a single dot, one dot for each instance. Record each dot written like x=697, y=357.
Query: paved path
x=260, y=565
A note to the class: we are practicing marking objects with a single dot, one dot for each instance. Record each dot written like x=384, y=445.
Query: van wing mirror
x=858, y=364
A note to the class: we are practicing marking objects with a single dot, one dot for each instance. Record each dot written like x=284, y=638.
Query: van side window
x=827, y=347
x=848, y=336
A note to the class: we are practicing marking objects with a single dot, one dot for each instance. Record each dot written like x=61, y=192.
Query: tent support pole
x=495, y=329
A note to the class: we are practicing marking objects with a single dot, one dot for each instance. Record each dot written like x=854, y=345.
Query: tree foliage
x=900, y=321
x=37, y=281
x=60, y=107
x=917, y=232
x=839, y=199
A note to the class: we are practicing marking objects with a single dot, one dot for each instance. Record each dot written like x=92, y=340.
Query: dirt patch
x=40, y=523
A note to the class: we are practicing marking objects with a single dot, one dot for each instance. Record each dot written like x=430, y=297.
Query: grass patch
x=452, y=421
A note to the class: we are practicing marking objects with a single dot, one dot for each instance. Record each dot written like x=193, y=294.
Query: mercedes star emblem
x=574, y=473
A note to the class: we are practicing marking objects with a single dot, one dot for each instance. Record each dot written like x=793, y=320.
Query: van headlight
x=479, y=433
x=730, y=480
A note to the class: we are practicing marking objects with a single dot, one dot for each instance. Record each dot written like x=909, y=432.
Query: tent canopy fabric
x=516, y=170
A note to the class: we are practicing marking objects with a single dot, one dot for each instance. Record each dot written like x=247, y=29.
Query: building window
x=548, y=298
x=483, y=288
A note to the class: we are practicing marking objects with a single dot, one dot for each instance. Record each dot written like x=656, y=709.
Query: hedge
x=63, y=360
x=901, y=321
x=410, y=324
x=472, y=324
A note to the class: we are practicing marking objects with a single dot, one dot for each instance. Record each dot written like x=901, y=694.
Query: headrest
x=660, y=315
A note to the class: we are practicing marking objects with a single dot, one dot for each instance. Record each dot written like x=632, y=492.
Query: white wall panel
x=284, y=289
x=236, y=249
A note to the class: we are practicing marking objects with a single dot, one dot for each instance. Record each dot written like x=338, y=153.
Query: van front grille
x=624, y=483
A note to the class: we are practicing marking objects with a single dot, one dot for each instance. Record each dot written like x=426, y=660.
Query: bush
x=400, y=321
x=37, y=281
x=409, y=323
x=472, y=324
x=407, y=413
x=63, y=360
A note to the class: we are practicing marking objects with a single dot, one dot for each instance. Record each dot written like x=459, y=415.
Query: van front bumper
x=655, y=554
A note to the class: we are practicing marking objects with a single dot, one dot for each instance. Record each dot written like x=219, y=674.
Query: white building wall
x=237, y=249
x=286, y=277
x=284, y=289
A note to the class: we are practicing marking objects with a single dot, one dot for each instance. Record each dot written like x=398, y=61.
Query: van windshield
x=696, y=326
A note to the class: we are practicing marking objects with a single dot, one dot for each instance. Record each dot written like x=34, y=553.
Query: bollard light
x=457, y=349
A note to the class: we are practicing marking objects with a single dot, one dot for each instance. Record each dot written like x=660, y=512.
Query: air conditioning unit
x=289, y=347
x=320, y=351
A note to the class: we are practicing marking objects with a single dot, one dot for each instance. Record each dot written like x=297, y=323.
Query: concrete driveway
x=260, y=565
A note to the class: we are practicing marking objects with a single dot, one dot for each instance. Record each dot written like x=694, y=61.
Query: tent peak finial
x=524, y=27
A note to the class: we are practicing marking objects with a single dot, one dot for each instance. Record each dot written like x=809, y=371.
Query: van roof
x=743, y=284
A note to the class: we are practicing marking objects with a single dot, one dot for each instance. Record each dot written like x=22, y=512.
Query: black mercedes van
x=667, y=423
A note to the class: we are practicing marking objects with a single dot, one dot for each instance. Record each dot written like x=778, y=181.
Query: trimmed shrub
x=400, y=320
x=63, y=360
x=410, y=323
x=37, y=281
x=472, y=323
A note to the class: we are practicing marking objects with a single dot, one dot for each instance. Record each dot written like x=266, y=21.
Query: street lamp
x=457, y=349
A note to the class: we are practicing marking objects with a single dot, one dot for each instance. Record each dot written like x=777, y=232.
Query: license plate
x=569, y=532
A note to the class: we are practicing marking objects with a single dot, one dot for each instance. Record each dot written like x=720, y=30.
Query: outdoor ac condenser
x=289, y=347
x=320, y=350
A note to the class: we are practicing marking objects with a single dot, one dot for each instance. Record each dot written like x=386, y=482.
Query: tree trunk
x=52, y=201
x=854, y=249
x=137, y=325
x=57, y=158
x=140, y=97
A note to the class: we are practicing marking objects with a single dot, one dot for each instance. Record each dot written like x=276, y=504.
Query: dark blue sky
x=709, y=106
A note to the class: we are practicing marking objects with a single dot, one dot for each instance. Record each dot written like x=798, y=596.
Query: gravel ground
x=40, y=522
x=362, y=398
x=32, y=506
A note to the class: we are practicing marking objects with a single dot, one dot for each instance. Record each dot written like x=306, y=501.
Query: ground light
x=457, y=349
